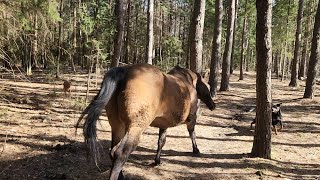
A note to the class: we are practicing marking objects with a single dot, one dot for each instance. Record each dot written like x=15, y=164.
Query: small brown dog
x=66, y=87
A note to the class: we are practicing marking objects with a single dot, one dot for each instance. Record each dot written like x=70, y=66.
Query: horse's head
x=204, y=93
x=197, y=81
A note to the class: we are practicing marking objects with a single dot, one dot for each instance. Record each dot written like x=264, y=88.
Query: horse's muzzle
x=211, y=105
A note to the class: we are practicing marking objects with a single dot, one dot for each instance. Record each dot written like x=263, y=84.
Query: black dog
x=276, y=117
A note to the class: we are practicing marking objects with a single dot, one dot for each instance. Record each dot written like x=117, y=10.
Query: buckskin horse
x=140, y=95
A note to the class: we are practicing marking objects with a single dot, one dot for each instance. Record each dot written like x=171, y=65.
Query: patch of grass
x=3, y=112
x=78, y=103
x=53, y=94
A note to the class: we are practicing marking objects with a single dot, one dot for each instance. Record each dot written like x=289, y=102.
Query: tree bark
x=216, y=48
x=285, y=59
x=224, y=86
x=74, y=41
x=314, y=57
x=34, y=57
x=118, y=36
x=59, y=40
x=262, y=138
x=276, y=64
x=135, y=29
x=149, y=54
x=196, y=28
x=128, y=36
x=243, y=40
x=302, y=68
x=294, y=66
x=234, y=35
x=305, y=52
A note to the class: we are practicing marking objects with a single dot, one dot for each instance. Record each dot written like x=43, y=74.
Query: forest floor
x=38, y=141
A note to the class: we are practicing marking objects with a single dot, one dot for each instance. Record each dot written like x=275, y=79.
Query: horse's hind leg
x=161, y=142
x=118, y=132
x=118, y=129
x=190, y=126
x=123, y=150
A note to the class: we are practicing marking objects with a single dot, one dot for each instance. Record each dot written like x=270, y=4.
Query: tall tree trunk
x=276, y=63
x=305, y=52
x=149, y=54
x=196, y=28
x=302, y=68
x=262, y=138
x=135, y=29
x=285, y=59
x=224, y=86
x=234, y=36
x=128, y=37
x=35, y=43
x=74, y=41
x=294, y=66
x=189, y=37
x=249, y=57
x=118, y=36
x=243, y=40
x=59, y=41
x=314, y=57
x=216, y=48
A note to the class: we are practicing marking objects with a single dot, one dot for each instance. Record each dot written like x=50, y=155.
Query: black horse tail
x=93, y=111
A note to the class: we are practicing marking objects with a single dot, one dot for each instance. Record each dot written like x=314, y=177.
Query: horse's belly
x=164, y=123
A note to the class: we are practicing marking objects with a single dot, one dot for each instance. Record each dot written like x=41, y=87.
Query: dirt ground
x=38, y=140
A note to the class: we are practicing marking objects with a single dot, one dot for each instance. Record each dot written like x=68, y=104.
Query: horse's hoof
x=157, y=162
x=196, y=151
x=121, y=176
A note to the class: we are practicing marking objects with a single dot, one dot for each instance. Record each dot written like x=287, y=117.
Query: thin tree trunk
x=128, y=37
x=216, y=48
x=314, y=57
x=224, y=86
x=34, y=58
x=262, y=138
x=135, y=29
x=74, y=42
x=305, y=52
x=149, y=54
x=302, y=68
x=243, y=40
x=249, y=57
x=118, y=36
x=285, y=59
x=59, y=40
x=276, y=63
x=294, y=67
x=189, y=38
x=196, y=29
x=234, y=36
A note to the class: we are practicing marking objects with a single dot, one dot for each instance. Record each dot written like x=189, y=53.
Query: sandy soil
x=38, y=140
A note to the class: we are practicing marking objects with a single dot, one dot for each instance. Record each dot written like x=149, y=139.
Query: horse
x=140, y=95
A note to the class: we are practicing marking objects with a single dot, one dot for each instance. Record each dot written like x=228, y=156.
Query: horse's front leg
x=161, y=142
x=190, y=126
